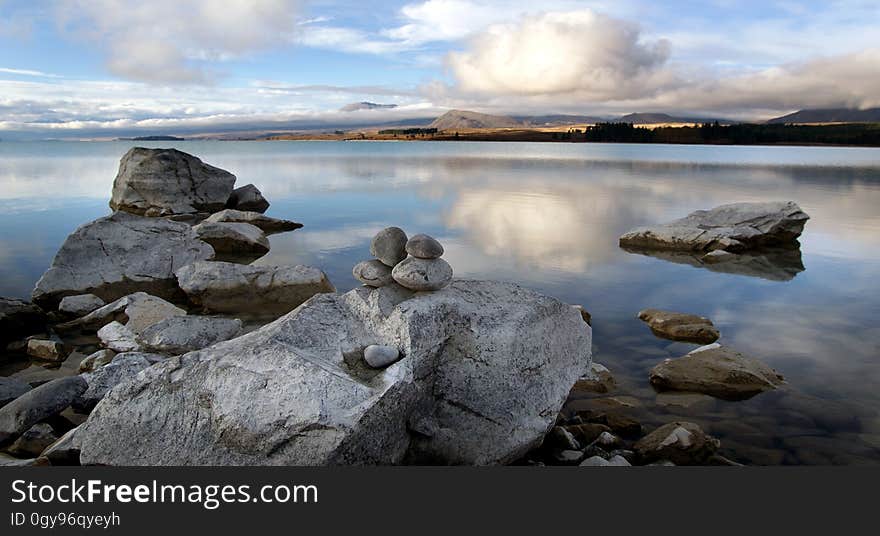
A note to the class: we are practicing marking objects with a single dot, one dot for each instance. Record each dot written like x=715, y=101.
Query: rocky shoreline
x=192, y=355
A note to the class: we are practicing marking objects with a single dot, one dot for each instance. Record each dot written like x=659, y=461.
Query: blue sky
x=71, y=67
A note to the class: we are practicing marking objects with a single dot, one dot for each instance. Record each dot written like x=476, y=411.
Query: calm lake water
x=548, y=216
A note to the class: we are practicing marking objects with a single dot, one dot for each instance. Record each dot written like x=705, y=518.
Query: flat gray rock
x=372, y=273
x=38, y=404
x=680, y=326
x=248, y=197
x=717, y=371
x=231, y=240
x=124, y=366
x=267, y=224
x=224, y=287
x=119, y=254
x=486, y=370
x=735, y=227
x=79, y=305
x=389, y=246
x=12, y=388
x=161, y=182
x=423, y=246
x=422, y=274
x=19, y=318
x=181, y=334
x=136, y=311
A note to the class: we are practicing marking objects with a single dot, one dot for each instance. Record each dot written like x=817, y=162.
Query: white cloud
x=27, y=72
x=582, y=52
x=168, y=41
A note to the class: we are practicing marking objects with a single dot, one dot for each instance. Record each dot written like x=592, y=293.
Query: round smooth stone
x=389, y=246
x=379, y=356
x=423, y=246
x=423, y=274
x=372, y=273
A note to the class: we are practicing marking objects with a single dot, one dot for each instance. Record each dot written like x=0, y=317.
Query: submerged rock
x=717, y=371
x=597, y=380
x=19, y=318
x=680, y=327
x=120, y=254
x=372, y=273
x=422, y=274
x=231, y=240
x=486, y=370
x=224, y=287
x=389, y=246
x=267, y=224
x=734, y=227
x=248, y=198
x=38, y=404
x=682, y=443
x=79, y=305
x=161, y=182
x=181, y=334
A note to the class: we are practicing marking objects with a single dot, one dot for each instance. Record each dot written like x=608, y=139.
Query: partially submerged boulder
x=680, y=326
x=181, y=334
x=19, y=318
x=486, y=368
x=735, y=227
x=224, y=287
x=120, y=254
x=161, y=182
x=249, y=198
x=682, y=443
x=267, y=224
x=717, y=371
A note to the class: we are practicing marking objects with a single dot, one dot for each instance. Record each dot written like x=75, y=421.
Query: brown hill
x=463, y=119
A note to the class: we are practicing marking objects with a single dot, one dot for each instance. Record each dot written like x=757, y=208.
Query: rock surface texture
x=717, y=371
x=422, y=274
x=80, y=305
x=120, y=254
x=372, y=273
x=734, y=228
x=224, y=287
x=679, y=326
x=486, y=369
x=161, y=182
x=137, y=311
x=37, y=404
x=181, y=334
x=389, y=246
x=682, y=443
x=233, y=239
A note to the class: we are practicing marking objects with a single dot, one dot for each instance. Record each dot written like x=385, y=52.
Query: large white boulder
x=735, y=227
x=119, y=254
x=485, y=369
x=160, y=182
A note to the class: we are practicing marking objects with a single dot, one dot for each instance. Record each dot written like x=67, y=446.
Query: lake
x=548, y=216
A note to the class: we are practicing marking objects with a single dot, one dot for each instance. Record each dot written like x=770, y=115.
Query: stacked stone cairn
x=413, y=263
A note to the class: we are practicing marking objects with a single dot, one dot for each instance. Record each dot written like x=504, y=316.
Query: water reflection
x=774, y=264
x=549, y=217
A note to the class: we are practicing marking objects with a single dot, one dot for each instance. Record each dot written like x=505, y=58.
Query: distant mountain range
x=462, y=119
x=355, y=106
x=657, y=118
x=830, y=115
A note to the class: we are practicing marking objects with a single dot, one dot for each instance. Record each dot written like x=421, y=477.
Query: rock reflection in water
x=775, y=264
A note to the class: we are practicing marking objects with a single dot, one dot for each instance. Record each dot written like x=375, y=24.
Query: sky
x=83, y=68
